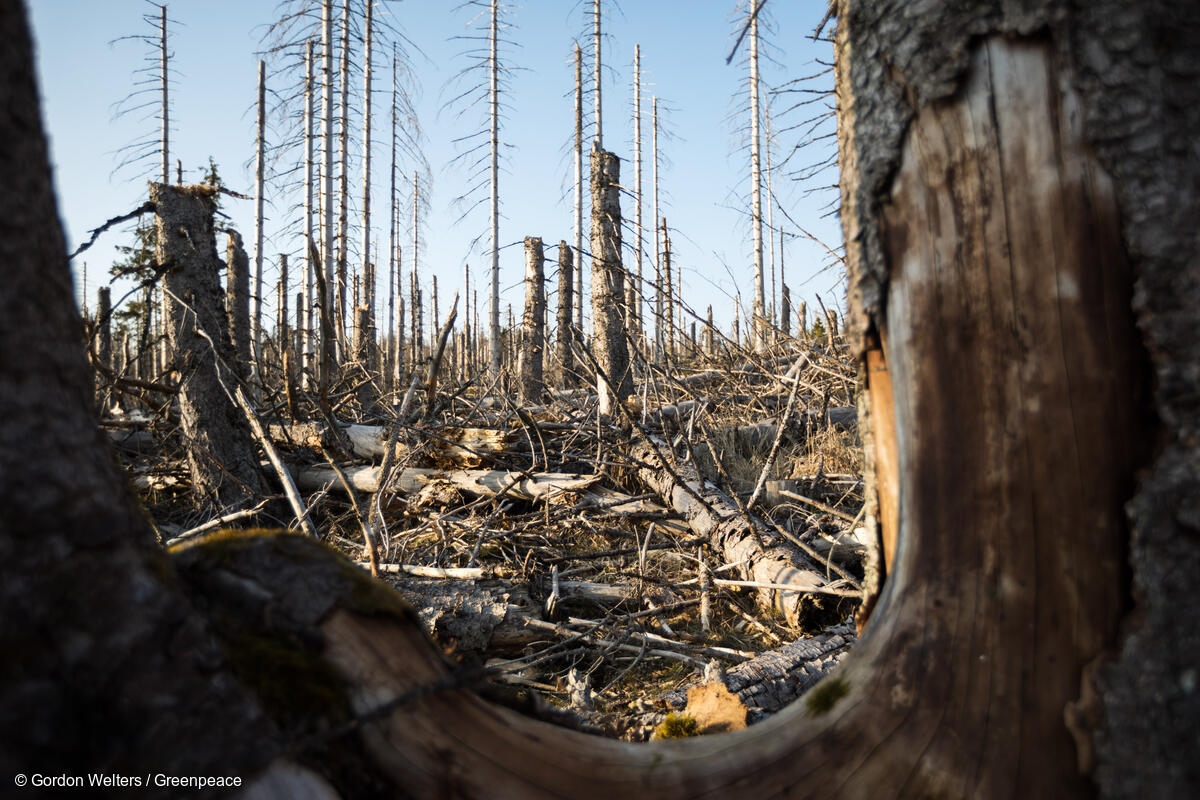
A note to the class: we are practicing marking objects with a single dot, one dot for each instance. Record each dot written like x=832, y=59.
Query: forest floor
x=604, y=571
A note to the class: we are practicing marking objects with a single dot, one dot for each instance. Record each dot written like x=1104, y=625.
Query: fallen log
x=461, y=447
x=481, y=482
x=743, y=540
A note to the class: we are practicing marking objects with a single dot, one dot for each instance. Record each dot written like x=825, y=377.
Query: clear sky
x=704, y=176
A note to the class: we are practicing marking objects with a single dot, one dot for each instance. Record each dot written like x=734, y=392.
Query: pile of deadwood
x=701, y=554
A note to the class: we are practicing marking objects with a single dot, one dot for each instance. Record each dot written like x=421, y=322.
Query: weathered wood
x=741, y=540
x=566, y=301
x=533, y=324
x=237, y=281
x=771, y=680
x=608, y=284
x=221, y=459
x=475, y=481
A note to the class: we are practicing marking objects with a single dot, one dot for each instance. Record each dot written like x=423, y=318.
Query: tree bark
x=237, y=293
x=1008, y=172
x=566, y=299
x=608, y=283
x=221, y=459
x=533, y=324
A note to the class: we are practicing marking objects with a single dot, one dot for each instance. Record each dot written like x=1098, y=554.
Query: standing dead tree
x=608, y=284
x=565, y=336
x=533, y=324
x=222, y=462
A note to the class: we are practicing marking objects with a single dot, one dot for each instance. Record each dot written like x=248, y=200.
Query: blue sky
x=704, y=178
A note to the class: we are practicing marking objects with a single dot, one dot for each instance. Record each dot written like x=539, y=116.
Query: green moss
x=295, y=684
x=825, y=695
x=676, y=726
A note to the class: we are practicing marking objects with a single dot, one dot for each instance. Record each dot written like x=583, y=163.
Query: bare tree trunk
x=758, y=325
x=494, y=181
x=579, y=188
x=608, y=283
x=597, y=62
x=668, y=292
x=367, y=271
x=165, y=107
x=259, y=165
x=659, y=307
x=238, y=302
x=327, y=234
x=566, y=278
x=221, y=459
x=343, y=229
x=393, y=365
x=771, y=316
x=635, y=283
x=104, y=321
x=533, y=326
x=307, y=321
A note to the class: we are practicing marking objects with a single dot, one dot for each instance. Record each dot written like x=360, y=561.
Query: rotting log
x=762, y=556
x=487, y=483
x=463, y=447
x=775, y=678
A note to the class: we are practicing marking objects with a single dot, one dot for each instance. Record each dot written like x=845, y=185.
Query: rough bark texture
x=565, y=336
x=106, y=666
x=608, y=282
x=533, y=324
x=221, y=459
x=1134, y=69
x=771, y=680
x=238, y=297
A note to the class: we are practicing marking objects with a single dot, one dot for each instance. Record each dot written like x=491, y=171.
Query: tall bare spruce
x=608, y=283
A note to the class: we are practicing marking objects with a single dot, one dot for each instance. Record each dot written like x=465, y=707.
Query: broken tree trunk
x=238, y=301
x=761, y=556
x=608, y=283
x=533, y=325
x=566, y=290
x=221, y=459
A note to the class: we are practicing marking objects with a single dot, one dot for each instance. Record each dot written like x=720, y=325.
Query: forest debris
x=456, y=446
x=487, y=483
x=741, y=539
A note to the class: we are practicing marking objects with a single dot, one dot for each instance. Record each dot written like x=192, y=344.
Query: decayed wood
x=533, y=324
x=475, y=481
x=741, y=540
x=608, y=283
x=464, y=447
x=771, y=680
x=221, y=459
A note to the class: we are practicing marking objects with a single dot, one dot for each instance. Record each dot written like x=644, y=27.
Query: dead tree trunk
x=608, y=283
x=221, y=459
x=533, y=324
x=566, y=277
x=238, y=300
